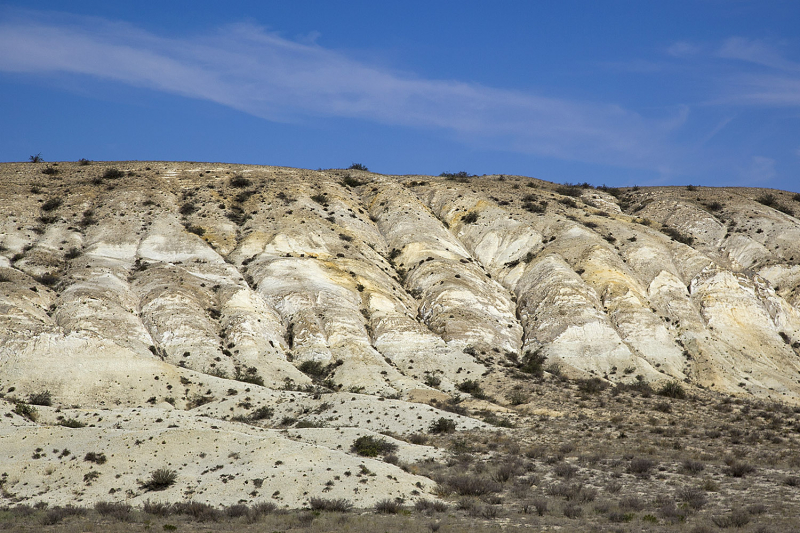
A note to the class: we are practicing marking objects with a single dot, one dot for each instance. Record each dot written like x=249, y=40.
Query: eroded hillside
x=222, y=290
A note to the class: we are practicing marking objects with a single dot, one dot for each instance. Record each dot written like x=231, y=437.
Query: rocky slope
x=180, y=303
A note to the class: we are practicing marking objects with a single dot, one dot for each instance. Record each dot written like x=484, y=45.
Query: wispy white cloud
x=261, y=73
x=760, y=170
x=684, y=49
x=755, y=51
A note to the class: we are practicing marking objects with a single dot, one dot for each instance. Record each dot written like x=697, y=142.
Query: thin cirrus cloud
x=244, y=67
x=768, y=78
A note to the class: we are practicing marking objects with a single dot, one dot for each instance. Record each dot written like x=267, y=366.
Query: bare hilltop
x=233, y=334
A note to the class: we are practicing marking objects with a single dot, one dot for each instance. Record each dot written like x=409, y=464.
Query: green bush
x=41, y=398
x=313, y=368
x=350, y=181
x=443, y=425
x=249, y=375
x=473, y=387
x=239, y=181
x=672, y=389
x=470, y=218
x=592, y=385
x=26, y=411
x=370, y=446
x=51, y=204
x=160, y=479
x=533, y=363
x=340, y=505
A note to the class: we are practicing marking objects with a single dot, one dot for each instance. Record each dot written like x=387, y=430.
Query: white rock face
x=233, y=302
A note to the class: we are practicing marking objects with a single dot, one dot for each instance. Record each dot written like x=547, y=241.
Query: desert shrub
x=694, y=497
x=796, y=197
x=72, y=253
x=83, y=162
x=417, y=438
x=55, y=515
x=260, y=509
x=739, y=468
x=197, y=400
x=641, y=466
x=540, y=504
x=358, y=166
x=261, y=413
x=157, y=508
x=506, y=471
x=313, y=368
x=387, y=506
x=572, y=492
x=569, y=202
x=187, y=209
x=370, y=446
x=350, y=181
x=714, y=206
x=670, y=512
x=676, y=235
x=47, y=279
x=52, y=171
x=237, y=510
x=319, y=424
x=41, y=398
x=572, y=510
x=767, y=199
x=672, y=389
x=592, y=385
x=470, y=218
x=692, y=467
x=471, y=386
x=51, y=204
x=340, y=505
x=631, y=503
x=736, y=518
x=422, y=505
x=160, y=479
x=442, y=425
x=112, y=174
x=36, y=158
x=618, y=516
x=321, y=199
x=26, y=411
x=531, y=207
x=432, y=381
x=116, y=510
x=664, y=407
x=200, y=512
x=461, y=176
x=569, y=190
x=565, y=470
x=792, y=481
x=533, y=363
x=248, y=375
x=197, y=230
x=97, y=458
x=639, y=386
x=517, y=397
x=239, y=181
x=471, y=485
x=71, y=423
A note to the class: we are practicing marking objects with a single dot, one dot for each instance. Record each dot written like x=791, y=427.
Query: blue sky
x=616, y=92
